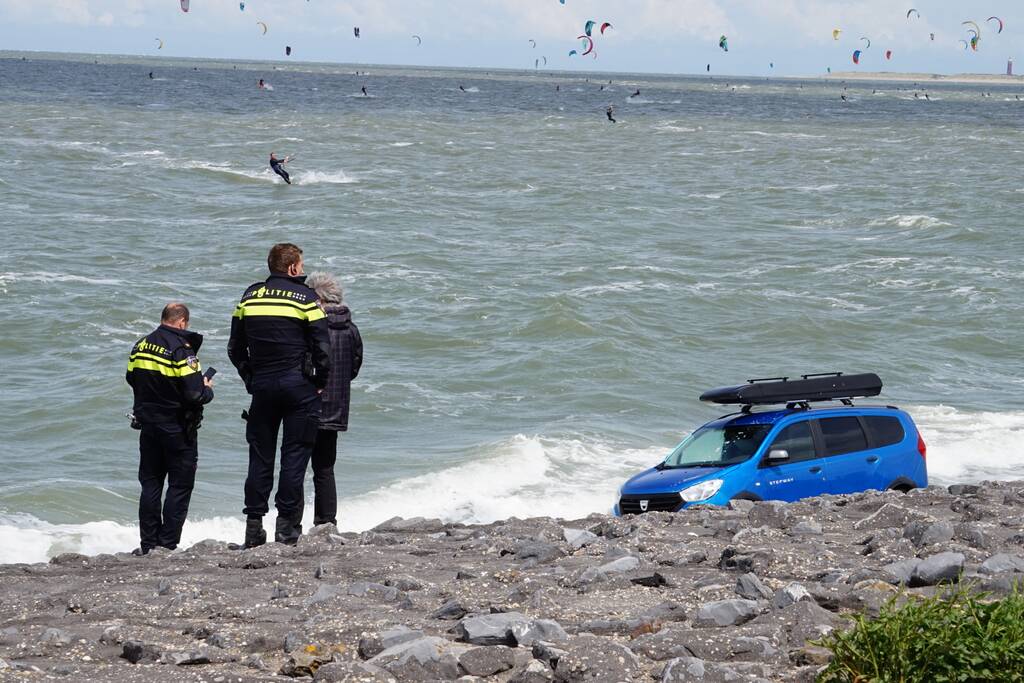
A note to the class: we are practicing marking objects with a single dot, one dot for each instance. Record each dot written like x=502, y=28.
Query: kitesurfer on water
x=276, y=164
x=609, y=111
x=636, y=94
x=365, y=94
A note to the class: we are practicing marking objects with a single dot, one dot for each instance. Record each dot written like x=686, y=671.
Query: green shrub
x=961, y=636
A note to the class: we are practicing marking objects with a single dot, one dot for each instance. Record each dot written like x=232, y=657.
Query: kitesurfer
x=151, y=75
x=462, y=88
x=636, y=94
x=609, y=112
x=276, y=164
x=261, y=85
x=365, y=94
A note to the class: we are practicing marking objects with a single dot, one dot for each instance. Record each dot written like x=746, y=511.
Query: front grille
x=656, y=502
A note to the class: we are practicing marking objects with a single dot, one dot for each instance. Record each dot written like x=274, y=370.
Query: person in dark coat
x=346, y=360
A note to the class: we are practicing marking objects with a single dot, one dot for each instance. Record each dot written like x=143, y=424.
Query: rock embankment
x=702, y=595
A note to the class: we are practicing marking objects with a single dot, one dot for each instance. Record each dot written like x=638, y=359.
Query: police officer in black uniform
x=281, y=348
x=170, y=392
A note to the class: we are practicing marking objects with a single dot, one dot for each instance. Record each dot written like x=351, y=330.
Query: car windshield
x=718, y=446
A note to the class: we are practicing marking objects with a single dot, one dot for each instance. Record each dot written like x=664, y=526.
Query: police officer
x=280, y=346
x=170, y=392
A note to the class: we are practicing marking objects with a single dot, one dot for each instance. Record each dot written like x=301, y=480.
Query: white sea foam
x=527, y=476
x=911, y=221
x=319, y=177
x=402, y=144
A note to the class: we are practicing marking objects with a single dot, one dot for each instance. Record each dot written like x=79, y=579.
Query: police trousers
x=290, y=402
x=165, y=454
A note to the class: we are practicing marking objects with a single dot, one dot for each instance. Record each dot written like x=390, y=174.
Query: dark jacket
x=279, y=328
x=165, y=375
x=346, y=360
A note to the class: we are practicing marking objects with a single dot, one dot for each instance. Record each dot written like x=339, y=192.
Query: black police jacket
x=165, y=375
x=280, y=328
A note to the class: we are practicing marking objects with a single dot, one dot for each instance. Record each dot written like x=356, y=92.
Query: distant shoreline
x=893, y=77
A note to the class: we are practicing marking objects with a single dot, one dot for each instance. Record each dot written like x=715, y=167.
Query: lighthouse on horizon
x=1009, y=67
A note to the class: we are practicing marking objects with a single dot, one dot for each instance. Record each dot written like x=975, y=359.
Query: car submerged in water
x=792, y=452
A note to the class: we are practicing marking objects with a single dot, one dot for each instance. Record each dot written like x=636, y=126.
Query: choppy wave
x=529, y=476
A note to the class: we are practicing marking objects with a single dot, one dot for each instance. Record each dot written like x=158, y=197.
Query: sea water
x=543, y=294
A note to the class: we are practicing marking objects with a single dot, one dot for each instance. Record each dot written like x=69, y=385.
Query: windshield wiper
x=707, y=463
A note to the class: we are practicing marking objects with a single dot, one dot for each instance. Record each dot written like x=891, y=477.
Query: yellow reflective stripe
x=315, y=314
x=145, y=364
x=274, y=311
x=159, y=359
x=239, y=311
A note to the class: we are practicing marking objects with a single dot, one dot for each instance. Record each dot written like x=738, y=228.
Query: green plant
x=961, y=637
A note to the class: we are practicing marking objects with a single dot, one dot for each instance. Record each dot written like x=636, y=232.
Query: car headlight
x=701, y=491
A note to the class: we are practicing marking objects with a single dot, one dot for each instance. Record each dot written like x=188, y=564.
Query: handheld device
x=210, y=372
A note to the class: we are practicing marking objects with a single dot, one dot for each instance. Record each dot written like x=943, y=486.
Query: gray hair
x=326, y=287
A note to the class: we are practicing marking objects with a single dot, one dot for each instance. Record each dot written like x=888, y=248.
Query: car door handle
x=814, y=470
x=873, y=458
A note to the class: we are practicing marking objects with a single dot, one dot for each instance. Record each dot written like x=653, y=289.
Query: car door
x=852, y=466
x=801, y=475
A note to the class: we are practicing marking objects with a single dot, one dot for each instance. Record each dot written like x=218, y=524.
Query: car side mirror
x=778, y=455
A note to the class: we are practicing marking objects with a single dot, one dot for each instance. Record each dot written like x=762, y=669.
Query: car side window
x=796, y=439
x=842, y=435
x=885, y=431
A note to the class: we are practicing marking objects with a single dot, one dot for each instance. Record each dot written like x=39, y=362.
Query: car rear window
x=842, y=435
x=885, y=431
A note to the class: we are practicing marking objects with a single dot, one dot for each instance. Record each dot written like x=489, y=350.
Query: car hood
x=668, y=480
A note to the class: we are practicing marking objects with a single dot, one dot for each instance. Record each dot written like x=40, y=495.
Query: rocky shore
x=707, y=594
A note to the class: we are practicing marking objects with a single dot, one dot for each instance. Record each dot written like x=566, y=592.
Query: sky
x=658, y=36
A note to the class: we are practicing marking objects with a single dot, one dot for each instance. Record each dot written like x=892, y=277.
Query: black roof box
x=824, y=387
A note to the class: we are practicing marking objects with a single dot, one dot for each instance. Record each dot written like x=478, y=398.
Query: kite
x=974, y=43
x=888, y=54
x=966, y=44
x=604, y=26
x=241, y=6
x=184, y=5
x=161, y=44
x=533, y=43
x=571, y=52
x=974, y=27
x=913, y=11
x=288, y=50
x=723, y=43
x=260, y=23
x=856, y=57
x=868, y=40
x=545, y=60
x=835, y=33
x=1000, y=23
x=419, y=41
x=589, y=27
x=933, y=36
x=588, y=43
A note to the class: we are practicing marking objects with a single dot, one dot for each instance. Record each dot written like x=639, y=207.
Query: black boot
x=288, y=530
x=254, y=534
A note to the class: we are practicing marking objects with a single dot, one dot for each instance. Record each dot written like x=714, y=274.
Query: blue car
x=787, y=453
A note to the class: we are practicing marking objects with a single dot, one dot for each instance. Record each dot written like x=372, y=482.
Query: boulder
x=590, y=658
x=726, y=613
x=539, y=551
x=487, y=661
x=352, y=672
x=790, y=595
x=771, y=513
x=534, y=672
x=371, y=646
x=889, y=515
x=377, y=591
x=324, y=592
x=507, y=628
x=135, y=651
x=692, y=669
x=750, y=587
x=937, y=569
x=578, y=538
x=55, y=636
x=1002, y=563
x=451, y=611
x=423, y=659
x=900, y=572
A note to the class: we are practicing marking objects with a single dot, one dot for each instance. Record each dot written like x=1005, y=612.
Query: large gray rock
x=726, y=613
x=771, y=513
x=324, y=592
x=136, y=651
x=578, y=538
x=371, y=646
x=534, y=672
x=889, y=515
x=620, y=566
x=411, y=525
x=690, y=669
x=423, y=659
x=750, y=587
x=377, y=591
x=923, y=534
x=790, y=595
x=937, y=569
x=590, y=658
x=55, y=636
x=487, y=661
x=901, y=572
x=352, y=672
x=507, y=628
x=1002, y=563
